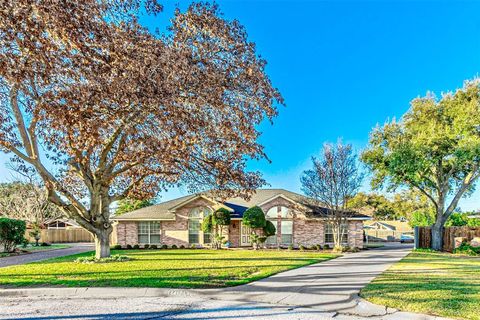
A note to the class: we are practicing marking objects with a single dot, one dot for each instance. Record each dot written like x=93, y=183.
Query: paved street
x=326, y=290
x=43, y=255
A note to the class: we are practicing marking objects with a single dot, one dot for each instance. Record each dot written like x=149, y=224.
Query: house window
x=195, y=218
x=286, y=231
x=280, y=217
x=329, y=233
x=149, y=232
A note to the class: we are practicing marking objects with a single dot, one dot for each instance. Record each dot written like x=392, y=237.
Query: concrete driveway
x=326, y=290
x=47, y=254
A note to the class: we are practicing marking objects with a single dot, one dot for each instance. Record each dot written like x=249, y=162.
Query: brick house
x=178, y=221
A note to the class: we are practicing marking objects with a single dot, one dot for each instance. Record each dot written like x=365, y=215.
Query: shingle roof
x=239, y=205
x=156, y=212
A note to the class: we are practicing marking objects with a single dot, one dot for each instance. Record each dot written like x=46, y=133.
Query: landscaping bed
x=180, y=268
x=441, y=284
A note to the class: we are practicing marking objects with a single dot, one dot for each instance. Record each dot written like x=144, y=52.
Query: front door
x=245, y=235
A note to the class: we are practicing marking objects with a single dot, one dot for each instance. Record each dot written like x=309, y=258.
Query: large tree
x=103, y=109
x=435, y=149
x=334, y=179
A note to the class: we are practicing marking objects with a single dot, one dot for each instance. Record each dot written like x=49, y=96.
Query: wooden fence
x=423, y=236
x=62, y=235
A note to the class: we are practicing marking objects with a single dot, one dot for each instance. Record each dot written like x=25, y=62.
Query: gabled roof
x=237, y=205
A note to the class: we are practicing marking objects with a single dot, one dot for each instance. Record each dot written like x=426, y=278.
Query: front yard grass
x=183, y=268
x=428, y=282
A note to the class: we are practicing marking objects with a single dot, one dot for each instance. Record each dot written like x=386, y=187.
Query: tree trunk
x=437, y=236
x=102, y=243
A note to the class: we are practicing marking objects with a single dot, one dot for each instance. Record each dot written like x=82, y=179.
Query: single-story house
x=178, y=222
x=388, y=225
x=62, y=223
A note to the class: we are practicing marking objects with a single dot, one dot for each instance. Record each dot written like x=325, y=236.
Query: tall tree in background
x=28, y=202
x=434, y=149
x=123, y=113
x=334, y=179
x=128, y=205
x=26, y=199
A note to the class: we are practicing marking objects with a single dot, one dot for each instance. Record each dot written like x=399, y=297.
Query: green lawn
x=162, y=268
x=435, y=283
x=43, y=248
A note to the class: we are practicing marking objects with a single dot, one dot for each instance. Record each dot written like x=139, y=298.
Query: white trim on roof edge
x=142, y=219
x=279, y=195
x=174, y=208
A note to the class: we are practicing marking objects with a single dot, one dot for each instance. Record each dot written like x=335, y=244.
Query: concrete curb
x=98, y=292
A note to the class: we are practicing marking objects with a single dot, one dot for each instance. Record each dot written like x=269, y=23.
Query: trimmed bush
x=117, y=247
x=318, y=247
x=46, y=244
x=269, y=229
x=153, y=246
x=302, y=247
x=326, y=247
x=129, y=246
x=193, y=246
x=114, y=258
x=221, y=217
x=164, y=246
x=182, y=247
x=290, y=247
x=136, y=246
x=174, y=246
x=12, y=233
x=146, y=246
x=254, y=217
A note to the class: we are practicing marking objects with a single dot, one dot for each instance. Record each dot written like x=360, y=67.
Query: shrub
x=342, y=249
x=153, y=246
x=182, y=247
x=164, y=246
x=25, y=243
x=326, y=247
x=12, y=233
x=193, y=246
x=290, y=247
x=467, y=249
x=114, y=258
x=269, y=229
x=302, y=247
x=129, y=246
x=174, y=246
x=146, y=246
x=136, y=246
x=117, y=247
x=46, y=244
x=254, y=217
x=318, y=247
x=221, y=217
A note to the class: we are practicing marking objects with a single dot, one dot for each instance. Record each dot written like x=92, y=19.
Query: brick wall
x=234, y=233
x=355, y=234
x=127, y=233
x=308, y=232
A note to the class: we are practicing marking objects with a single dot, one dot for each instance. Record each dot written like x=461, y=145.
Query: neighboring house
x=178, y=221
x=62, y=224
x=386, y=230
x=390, y=225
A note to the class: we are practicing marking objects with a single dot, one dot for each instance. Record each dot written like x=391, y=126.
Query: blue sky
x=343, y=67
